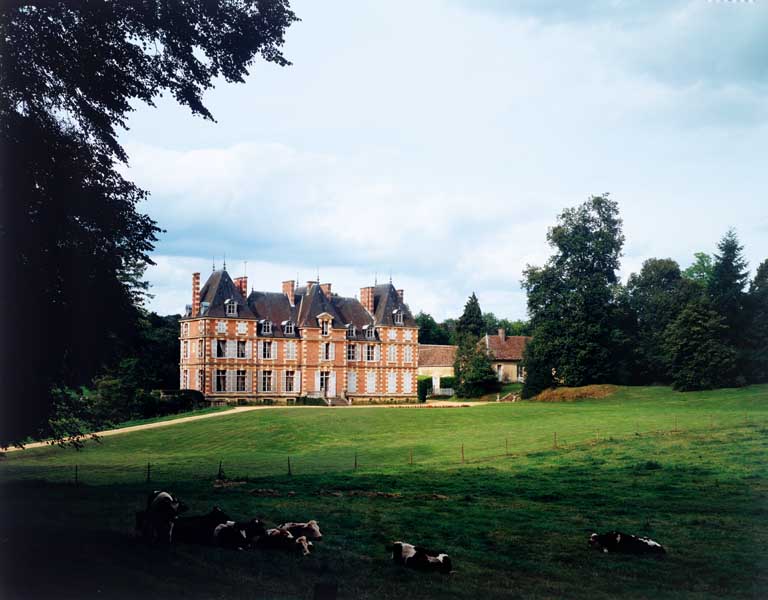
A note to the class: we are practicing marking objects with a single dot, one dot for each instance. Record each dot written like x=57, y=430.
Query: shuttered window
x=370, y=382
x=391, y=382
x=352, y=382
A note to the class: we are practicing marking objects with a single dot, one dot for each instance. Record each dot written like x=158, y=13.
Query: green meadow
x=689, y=470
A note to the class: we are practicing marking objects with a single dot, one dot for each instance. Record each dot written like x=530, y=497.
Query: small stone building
x=506, y=352
x=436, y=361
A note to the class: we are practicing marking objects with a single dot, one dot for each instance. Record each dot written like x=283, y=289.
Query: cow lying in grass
x=157, y=521
x=238, y=535
x=198, y=529
x=616, y=541
x=416, y=557
x=309, y=530
x=282, y=539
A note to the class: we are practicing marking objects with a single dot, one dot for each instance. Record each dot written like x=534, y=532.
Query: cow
x=282, y=539
x=238, y=535
x=616, y=541
x=309, y=530
x=419, y=558
x=198, y=529
x=158, y=520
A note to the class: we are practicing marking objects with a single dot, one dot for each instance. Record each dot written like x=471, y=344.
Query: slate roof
x=217, y=290
x=510, y=349
x=385, y=302
x=353, y=312
x=274, y=307
x=313, y=303
x=433, y=355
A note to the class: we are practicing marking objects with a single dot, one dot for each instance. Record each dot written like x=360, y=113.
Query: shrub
x=423, y=384
x=448, y=382
x=571, y=394
x=307, y=401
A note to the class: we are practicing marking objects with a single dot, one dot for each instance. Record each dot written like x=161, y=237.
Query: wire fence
x=165, y=470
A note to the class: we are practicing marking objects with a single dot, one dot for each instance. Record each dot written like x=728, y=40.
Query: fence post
x=289, y=466
x=220, y=474
x=554, y=439
x=149, y=472
x=355, y=461
x=462, y=454
x=506, y=446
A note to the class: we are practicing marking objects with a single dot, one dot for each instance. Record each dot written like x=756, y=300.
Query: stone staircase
x=337, y=402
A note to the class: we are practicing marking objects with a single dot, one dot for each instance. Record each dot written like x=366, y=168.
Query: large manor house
x=272, y=347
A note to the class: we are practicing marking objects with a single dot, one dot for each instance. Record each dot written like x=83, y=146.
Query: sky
x=436, y=141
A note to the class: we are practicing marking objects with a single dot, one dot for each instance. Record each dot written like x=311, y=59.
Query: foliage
x=726, y=287
x=572, y=301
x=448, y=382
x=73, y=241
x=430, y=332
x=470, y=323
x=699, y=358
x=423, y=385
x=701, y=269
x=492, y=324
x=757, y=328
x=473, y=372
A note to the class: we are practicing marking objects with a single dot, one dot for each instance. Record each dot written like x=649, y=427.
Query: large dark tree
x=70, y=233
x=726, y=286
x=757, y=328
x=470, y=322
x=572, y=301
x=430, y=331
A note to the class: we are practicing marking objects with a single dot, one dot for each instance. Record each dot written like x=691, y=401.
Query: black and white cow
x=198, y=529
x=416, y=557
x=310, y=530
x=162, y=510
x=238, y=535
x=282, y=539
x=616, y=541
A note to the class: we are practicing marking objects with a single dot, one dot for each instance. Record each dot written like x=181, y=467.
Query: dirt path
x=241, y=409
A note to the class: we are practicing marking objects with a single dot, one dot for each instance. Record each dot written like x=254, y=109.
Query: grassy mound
x=572, y=394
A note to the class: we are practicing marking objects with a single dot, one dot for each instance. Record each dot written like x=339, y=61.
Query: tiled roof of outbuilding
x=433, y=355
x=511, y=348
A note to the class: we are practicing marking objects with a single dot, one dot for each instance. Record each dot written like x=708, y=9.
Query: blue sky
x=437, y=140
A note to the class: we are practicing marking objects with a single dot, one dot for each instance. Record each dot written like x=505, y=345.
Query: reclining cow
x=309, y=530
x=416, y=557
x=238, y=535
x=282, y=539
x=159, y=517
x=198, y=529
x=616, y=541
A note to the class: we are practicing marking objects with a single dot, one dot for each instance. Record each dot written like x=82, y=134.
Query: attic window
x=370, y=333
x=231, y=308
x=351, y=331
x=204, y=307
x=324, y=327
x=288, y=327
x=398, y=318
x=266, y=327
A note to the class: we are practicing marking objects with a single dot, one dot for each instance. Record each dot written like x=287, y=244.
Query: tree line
x=700, y=328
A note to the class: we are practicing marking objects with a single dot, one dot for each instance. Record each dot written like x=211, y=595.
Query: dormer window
x=231, y=308
x=398, y=317
x=288, y=328
x=204, y=306
x=324, y=327
x=370, y=333
x=266, y=327
x=351, y=331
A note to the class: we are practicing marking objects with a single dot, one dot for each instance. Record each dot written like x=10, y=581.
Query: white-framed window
x=392, y=334
x=289, y=328
x=324, y=328
x=185, y=345
x=266, y=350
x=201, y=380
x=241, y=348
x=391, y=382
x=370, y=333
x=266, y=327
x=242, y=328
x=185, y=329
x=290, y=350
x=391, y=353
x=289, y=381
x=328, y=353
x=408, y=354
x=266, y=381
x=221, y=380
x=408, y=334
x=370, y=382
x=370, y=352
x=240, y=381
x=185, y=380
x=352, y=382
x=325, y=379
x=398, y=318
x=231, y=308
x=221, y=327
x=221, y=348
x=200, y=348
x=201, y=327
x=407, y=382
x=520, y=372
x=351, y=331
x=351, y=352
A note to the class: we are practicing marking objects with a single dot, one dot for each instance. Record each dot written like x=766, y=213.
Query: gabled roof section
x=510, y=348
x=434, y=355
x=272, y=306
x=313, y=303
x=386, y=302
x=353, y=313
x=217, y=291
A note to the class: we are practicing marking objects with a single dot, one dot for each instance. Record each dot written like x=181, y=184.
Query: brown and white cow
x=282, y=539
x=417, y=557
x=309, y=530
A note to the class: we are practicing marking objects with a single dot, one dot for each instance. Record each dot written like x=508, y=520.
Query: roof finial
x=245, y=268
x=318, y=275
x=213, y=264
x=225, y=261
x=375, y=278
x=390, y=276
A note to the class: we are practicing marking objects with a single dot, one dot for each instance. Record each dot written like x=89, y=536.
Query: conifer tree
x=726, y=286
x=471, y=321
x=757, y=330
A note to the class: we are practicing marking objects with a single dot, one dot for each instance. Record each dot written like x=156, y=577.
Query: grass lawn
x=516, y=525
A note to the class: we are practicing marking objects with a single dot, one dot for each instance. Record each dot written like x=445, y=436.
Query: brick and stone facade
x=272, y=347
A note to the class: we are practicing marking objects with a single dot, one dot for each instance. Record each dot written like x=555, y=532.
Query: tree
x=470, y=323
x=515, y=327
x=473, y=371
x=701, y=269
x=699, y=359
x=429, y=330
x=572, y=300
x=726, y=286
x=757, y=330
x=71, y=237
x=490, y=323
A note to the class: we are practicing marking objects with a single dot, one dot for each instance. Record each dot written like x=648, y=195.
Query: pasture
x=689, y=470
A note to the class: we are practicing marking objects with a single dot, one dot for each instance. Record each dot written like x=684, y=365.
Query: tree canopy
x=72, y=240
x=471, y=321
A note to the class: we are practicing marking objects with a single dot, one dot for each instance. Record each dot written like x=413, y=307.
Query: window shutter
x=358, y=352
x=231, y=380
x=275, y=348
x=332, y=383
x=214, y=343
x=260, y=353
x=317, y=381
x=377, y=353
x=352, y=382
x=248, y=387
x=258, y=380
x=297, y=381
x=333, y=351
x=247, y=349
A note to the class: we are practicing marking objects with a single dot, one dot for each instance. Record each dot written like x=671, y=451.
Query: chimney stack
x=366, y=298
x=502, y=334
x=326, y=287
x=195, y=294
x=288, y=290
x=242, y=284
x=400, y=295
